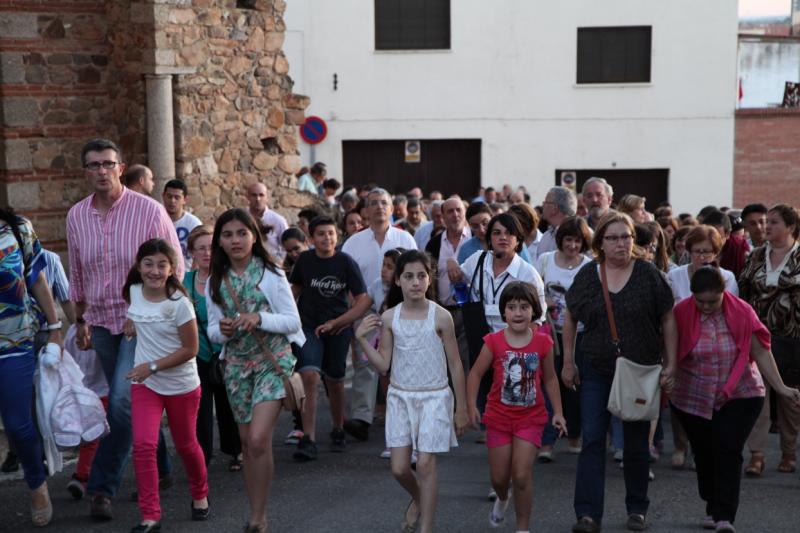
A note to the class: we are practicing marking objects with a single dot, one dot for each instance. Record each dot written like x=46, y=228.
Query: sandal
x=756, y=465
x=40, y=517
x=788, y=464
x=236, y=464
x=409, y=526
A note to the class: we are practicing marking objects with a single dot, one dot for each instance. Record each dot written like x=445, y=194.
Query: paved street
x=355, y=492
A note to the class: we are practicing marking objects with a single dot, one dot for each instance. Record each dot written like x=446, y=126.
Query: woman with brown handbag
x=641, y=301
x=252, y=312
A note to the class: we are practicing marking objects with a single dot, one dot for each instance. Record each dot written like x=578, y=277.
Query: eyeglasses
x=652, y=248
x=703, y=252
x=614, y=239
x=94, y=166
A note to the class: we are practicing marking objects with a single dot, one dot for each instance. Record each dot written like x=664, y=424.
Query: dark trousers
x=570, y=399
x=717, y=445
x=210, y=396
x=590, y=478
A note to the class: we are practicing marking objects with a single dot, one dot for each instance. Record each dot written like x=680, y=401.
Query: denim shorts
x=326, y=354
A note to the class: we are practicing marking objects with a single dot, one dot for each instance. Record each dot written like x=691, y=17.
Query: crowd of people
x=487, y=313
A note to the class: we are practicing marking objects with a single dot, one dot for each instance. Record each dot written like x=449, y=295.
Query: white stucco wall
x=509, y=79
x=765, y=65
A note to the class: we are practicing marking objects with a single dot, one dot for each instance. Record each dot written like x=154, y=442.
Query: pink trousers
x=147, y=406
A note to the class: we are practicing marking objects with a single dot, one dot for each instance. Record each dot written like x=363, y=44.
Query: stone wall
x=236, y=118
x=71, y=70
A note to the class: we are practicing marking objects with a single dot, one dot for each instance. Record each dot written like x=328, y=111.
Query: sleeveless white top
x=418, y=358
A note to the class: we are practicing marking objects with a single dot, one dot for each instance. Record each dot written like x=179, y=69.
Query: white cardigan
x=283, y=317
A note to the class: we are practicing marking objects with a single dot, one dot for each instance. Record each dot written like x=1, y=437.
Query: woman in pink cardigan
x=718, y=391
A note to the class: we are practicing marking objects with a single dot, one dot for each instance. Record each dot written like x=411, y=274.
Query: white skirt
x=421, y=419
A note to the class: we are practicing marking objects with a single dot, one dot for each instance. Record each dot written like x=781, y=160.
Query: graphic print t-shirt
x=184, y=226
x=516, y=394
x=326, y=283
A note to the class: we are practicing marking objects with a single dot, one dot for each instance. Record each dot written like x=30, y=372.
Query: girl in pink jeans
x=164, y=376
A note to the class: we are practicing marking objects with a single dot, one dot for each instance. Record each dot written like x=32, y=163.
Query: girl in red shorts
x=521, y=357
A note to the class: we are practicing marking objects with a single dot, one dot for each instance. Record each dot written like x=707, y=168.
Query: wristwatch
x=153, y=368
x=80, y=320
x=54, y=326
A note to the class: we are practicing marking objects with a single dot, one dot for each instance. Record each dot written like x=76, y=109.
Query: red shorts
x=502, y=436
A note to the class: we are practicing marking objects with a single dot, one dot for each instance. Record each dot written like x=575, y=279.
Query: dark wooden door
x=452, y=166
x=652, y=183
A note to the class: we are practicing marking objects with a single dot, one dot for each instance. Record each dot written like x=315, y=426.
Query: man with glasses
x=367, y=248
x=104, y=232
x=559, y=203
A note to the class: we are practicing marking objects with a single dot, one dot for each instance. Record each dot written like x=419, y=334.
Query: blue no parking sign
x=314, y=130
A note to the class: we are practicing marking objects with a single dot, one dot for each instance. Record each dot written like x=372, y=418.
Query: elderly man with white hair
x=597, y=195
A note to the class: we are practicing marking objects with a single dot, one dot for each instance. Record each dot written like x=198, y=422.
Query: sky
x=764, y=8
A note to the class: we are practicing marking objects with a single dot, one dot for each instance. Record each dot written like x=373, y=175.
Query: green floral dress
x=249, y=375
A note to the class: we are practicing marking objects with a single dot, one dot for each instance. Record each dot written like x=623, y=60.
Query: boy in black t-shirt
x=331, y=296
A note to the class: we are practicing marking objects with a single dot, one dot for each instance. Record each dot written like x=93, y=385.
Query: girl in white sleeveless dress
x=418, y=342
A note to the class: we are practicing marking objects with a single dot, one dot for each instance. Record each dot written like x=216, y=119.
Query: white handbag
x=636, y=389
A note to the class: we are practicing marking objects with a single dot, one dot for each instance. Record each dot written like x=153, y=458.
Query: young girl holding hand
x=164, y=376
x=418, y=341
x=515, y=416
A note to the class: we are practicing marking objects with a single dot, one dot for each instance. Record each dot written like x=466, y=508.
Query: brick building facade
x=196, y=89
x=767, y=161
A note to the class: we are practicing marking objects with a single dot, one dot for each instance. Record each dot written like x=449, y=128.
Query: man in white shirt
x=174, y=197
x=258, y=198
x=367, y=248
x=559, y=203
x=444, y=250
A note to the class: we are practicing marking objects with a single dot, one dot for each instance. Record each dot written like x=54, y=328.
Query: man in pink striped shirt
x=104, y=232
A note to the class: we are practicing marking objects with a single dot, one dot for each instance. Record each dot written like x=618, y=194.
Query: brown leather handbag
x=295, y=398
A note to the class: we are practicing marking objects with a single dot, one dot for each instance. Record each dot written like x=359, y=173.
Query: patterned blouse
x=19, y=270
x=243, y=346
x=702, y=375
x=778, y=306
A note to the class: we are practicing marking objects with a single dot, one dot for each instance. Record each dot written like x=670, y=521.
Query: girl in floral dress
x=243, y=271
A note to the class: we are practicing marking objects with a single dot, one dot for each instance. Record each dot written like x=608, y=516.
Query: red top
x=516, y=394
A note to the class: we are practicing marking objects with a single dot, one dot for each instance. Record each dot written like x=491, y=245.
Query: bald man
x=139, y=178
x=258, y=198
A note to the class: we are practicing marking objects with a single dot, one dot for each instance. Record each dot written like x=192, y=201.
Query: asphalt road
x=355, y=492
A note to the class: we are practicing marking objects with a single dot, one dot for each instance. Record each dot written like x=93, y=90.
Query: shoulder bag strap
x=609, y=310
x=478, y=269
x=257, y=334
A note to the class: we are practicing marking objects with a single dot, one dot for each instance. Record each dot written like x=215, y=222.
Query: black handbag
x=786, y=352
x=474, y=314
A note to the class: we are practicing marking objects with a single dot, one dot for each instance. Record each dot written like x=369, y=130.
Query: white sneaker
x=651, y=475
x=386, y=453
x=293, y=437
x=497, y=516
x=708, y=522
x=618, y=455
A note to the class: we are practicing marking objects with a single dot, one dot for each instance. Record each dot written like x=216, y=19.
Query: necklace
x=201, y=281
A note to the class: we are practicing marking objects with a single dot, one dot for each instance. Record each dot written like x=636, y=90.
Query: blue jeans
x=116, y=355
x=16, y=395
x=590, y=478
x=326, y=354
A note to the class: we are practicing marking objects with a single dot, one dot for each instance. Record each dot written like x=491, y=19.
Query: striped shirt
x=702, y=375
x=102, y=249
